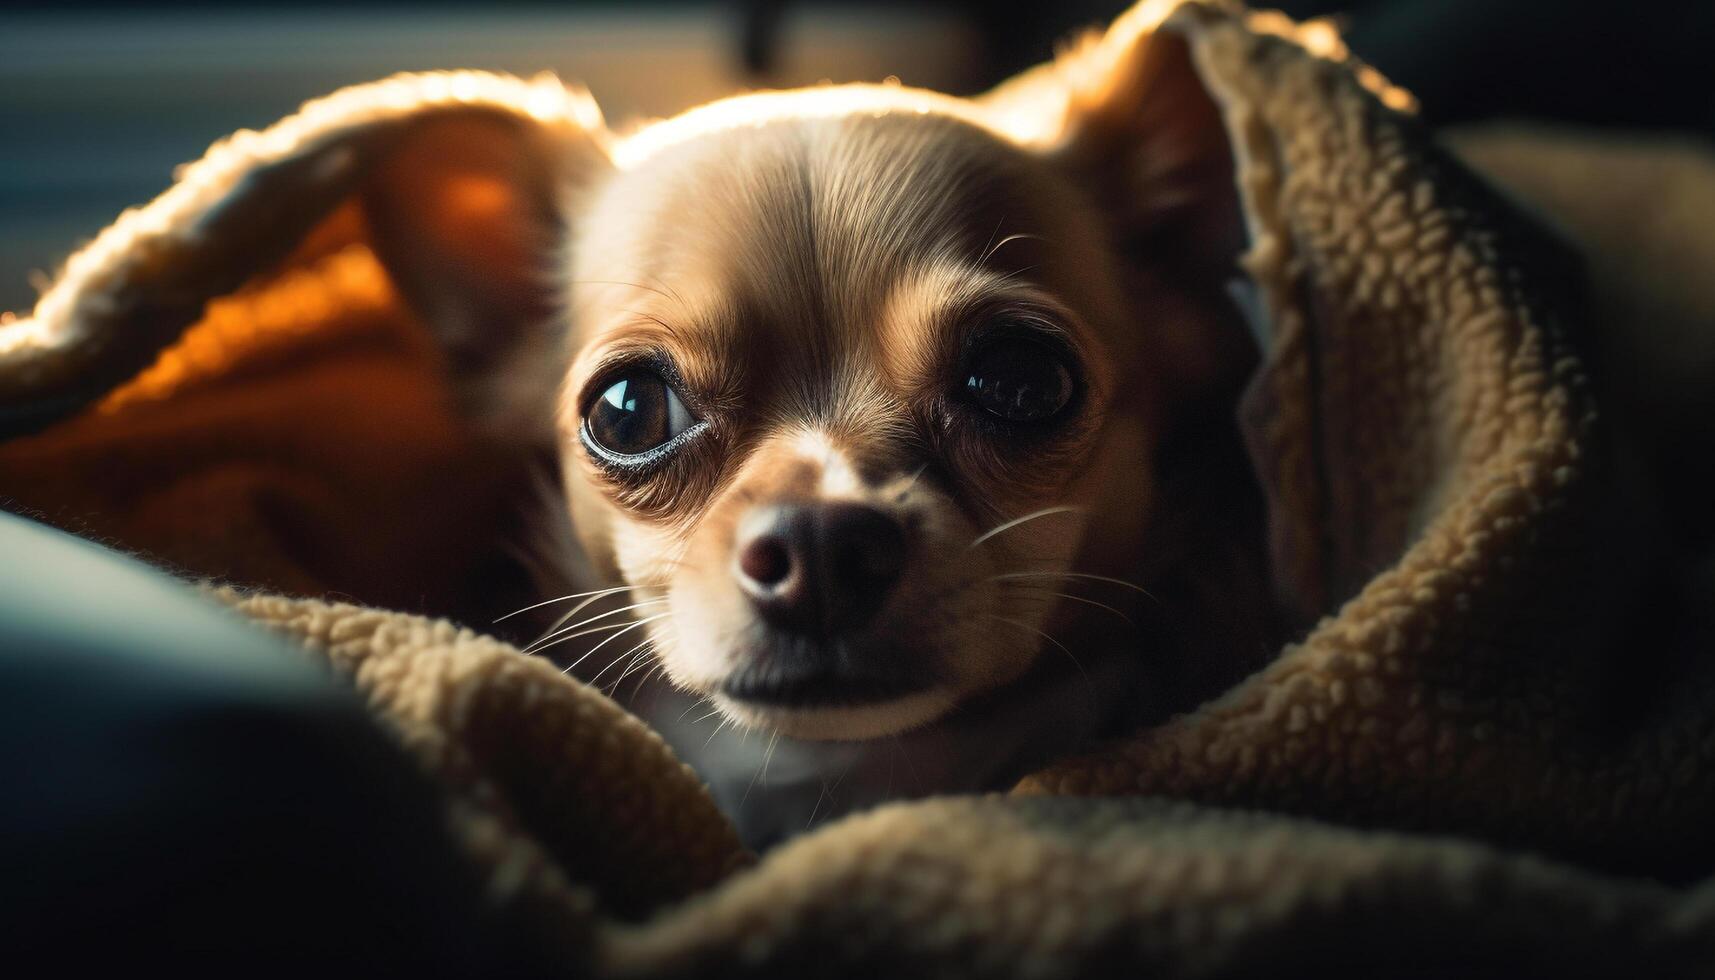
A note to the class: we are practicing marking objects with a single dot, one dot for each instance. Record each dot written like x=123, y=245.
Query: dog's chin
x=850, y=722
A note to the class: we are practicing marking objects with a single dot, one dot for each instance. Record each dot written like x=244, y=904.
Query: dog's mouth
x=773, y=681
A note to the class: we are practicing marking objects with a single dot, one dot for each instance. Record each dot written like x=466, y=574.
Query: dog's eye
x=1018, y=380
x=636, y=413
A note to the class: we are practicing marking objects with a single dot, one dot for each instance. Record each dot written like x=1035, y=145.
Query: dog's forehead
x=820, y=269
x=817, y=219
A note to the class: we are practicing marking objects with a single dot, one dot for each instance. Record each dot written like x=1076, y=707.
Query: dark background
x=100, y=101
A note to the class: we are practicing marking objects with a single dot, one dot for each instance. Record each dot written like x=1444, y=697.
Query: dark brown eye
x=637, y=412
x=1018, y=380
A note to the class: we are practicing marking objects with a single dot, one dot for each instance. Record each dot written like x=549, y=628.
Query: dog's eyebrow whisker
x=997, y=246
x=911, y=483
x=652, y=318
x=989, y=246
x=620, y=282
x=1033, y=515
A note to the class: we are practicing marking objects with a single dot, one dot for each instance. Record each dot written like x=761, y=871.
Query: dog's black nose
x=819, y=568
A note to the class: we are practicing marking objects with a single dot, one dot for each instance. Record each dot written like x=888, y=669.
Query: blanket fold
x=1490, y=749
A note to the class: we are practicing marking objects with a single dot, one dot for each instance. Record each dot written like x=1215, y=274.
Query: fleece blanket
x=1492, y=748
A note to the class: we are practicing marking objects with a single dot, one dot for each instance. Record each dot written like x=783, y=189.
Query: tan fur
x=811, y=263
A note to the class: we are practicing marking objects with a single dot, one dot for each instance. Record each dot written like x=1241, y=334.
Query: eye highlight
x=637, y=414
x=1017, y=379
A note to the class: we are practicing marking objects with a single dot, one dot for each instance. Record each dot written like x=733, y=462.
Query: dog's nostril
x=766, y=561
x=819, y=568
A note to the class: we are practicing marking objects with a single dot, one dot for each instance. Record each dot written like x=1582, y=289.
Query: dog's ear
x=1234, y=153
x=470, y=214
x=1126, y=115
x=463, y=182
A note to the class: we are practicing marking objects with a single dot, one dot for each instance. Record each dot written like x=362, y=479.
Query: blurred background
x=99, y=102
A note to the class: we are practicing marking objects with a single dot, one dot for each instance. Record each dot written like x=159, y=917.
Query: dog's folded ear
x=1189, y=123
x=456, y=182
x=1127, y=113
x=468, y=213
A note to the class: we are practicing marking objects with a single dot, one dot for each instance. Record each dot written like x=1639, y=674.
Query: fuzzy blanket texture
x=1494, y=749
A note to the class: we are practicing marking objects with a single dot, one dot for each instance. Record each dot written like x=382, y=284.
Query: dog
x=894, y=428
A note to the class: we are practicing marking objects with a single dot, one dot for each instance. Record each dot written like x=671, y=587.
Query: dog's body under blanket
x=1504, y=649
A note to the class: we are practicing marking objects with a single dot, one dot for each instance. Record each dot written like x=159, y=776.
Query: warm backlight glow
x=762, y=108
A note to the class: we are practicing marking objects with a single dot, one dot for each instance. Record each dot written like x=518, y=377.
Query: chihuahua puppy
x=894, y=428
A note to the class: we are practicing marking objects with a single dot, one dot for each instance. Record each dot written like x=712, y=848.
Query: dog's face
x=851, y=389
x=854, y=380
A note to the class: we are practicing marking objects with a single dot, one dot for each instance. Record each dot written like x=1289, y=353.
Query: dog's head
x=852, y=380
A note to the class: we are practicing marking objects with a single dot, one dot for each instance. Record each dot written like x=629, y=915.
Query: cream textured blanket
x=1495, y=747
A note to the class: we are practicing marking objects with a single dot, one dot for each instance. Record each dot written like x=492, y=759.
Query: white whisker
x=912, y=482
x=1009, y=525
x=997, y=246
x=580, y=607
x=579, y=625
x=619, y=624
x=659, y=669
x=633, y=655
x=1088, y=602
x=820, y=795
x=762, y=771
x=645, y=621
x=1089, y=685
x=639, y=655
x=692, y=707
x=617, y=628
x=720, y=725
x=576, y=595
x=1083, y=575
